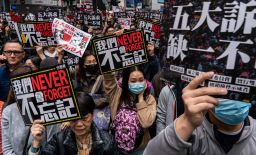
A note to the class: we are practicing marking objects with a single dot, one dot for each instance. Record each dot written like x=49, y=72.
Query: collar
x=249, y=127
x=70, y=140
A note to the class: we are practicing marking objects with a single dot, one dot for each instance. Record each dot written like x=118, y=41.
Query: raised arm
x=197, y=101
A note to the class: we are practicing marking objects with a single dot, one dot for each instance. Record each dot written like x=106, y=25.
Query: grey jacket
x=165, y=109
x=14, y=131
x=203, y=142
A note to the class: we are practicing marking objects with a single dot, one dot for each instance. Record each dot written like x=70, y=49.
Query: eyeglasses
x=15, y=53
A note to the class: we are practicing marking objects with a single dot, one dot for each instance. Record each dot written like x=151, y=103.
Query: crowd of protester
x=139, y=110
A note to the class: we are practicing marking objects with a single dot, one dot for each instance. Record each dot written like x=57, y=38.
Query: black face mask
x=92, y=69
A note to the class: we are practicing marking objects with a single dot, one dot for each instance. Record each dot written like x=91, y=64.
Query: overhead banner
x=152, y=31
x=215, y=36
x=35, y=33
x=118, y=52
x=93, y=19
x=48, y=15
x=71, y=38
x=47, y=95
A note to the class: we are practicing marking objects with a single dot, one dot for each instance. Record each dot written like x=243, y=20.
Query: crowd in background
x=121, y=111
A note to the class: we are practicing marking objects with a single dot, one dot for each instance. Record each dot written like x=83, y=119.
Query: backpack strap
x=97, y=84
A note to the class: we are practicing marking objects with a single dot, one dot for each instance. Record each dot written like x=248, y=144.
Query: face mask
x=136, y=88
x=232, y=112
x=92, y=69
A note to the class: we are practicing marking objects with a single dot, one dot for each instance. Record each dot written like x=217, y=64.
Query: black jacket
x=64, y=143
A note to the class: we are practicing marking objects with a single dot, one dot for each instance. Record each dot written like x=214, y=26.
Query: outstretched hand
x=197, y=101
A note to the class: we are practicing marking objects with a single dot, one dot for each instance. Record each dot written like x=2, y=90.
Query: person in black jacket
x=82, y=138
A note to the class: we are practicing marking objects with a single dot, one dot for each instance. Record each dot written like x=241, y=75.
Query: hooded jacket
x=202, y=142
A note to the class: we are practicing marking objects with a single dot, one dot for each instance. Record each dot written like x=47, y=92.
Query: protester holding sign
x=16, y=136
x=88, y=78
x=208, y=125
x=133, y=110
x=50, y=51
x=82, y=138
x=152, y=67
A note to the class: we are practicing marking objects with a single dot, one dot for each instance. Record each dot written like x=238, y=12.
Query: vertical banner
x=47, y=95
x=215, y=36
x=152, y=31
x=118, y=52
x=35, y=33
x=48, y=15
x=93, y=19
x=71, y=38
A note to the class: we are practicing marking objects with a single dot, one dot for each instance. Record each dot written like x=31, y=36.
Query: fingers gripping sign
x=197, y=101
x=37, y=131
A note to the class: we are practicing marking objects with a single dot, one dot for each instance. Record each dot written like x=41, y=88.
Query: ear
x=90, y=117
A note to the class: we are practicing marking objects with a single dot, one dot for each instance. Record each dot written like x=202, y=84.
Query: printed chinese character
x=181, y=17
x=206, y=17
x=231, y=53
x=28, y=108
x=17, y=88
x=127, y=59
x=64, y=111
x=176, y=46
x=236, y=15
x=138, y=56
x=48, y=115
x=108, y=57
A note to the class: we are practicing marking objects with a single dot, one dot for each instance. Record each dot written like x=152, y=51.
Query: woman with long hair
x=133, y=110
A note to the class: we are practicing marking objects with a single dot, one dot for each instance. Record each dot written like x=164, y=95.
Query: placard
x=120, y=15
x=93, y=19
x=71, y=38
x=71, y=61
x=47, y=95
x=152, y=31
x=125, y=22
x=118, y=52
x=155, y=16
x=142, y=15
x=215, y=36
x=35, y=33
x=48, y=15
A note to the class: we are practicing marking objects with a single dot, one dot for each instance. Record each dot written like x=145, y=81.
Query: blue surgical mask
x=136, y=88
x=232, y=112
